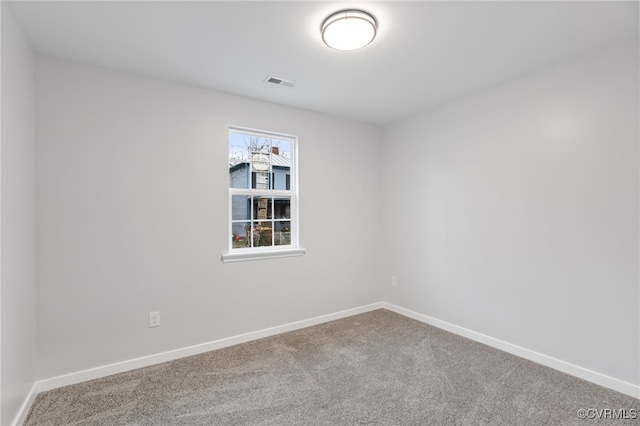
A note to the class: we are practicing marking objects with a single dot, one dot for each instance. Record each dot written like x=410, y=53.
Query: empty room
x=329, y=213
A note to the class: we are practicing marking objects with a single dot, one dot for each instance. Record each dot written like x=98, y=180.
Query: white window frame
x=267, y=252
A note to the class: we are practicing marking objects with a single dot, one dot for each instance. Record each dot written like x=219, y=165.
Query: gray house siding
x=240, y=177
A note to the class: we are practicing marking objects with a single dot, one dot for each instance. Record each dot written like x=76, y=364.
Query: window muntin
x=262, y=193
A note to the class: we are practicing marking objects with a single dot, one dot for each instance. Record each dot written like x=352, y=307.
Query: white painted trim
x=293, y=192
x=121, y=367
x=260, y=255
x=23, y=412
x=563, y=366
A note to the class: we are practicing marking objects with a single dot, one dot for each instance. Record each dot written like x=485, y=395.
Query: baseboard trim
x=146, y=361
x=21, y=417
x=563, y=366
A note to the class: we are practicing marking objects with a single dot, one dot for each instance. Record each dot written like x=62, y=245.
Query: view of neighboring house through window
x=261, y=198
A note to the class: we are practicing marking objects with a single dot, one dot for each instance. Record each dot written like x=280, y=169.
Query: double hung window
x=263, y=219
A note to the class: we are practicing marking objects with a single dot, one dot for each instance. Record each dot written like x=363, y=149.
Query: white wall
x=132, y=218
x=512, y=213
x=516, y=213
x=18, y=240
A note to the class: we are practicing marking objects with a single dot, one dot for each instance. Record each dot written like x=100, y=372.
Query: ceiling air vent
x=279, y=81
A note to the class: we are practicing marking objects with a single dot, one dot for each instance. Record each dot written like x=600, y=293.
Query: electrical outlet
x=154, y=319
x=394, y=281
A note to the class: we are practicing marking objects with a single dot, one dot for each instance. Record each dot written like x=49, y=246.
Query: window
x=263, y=219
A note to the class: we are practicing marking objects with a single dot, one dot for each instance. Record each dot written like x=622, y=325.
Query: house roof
x=280, y=161
x=276, y=161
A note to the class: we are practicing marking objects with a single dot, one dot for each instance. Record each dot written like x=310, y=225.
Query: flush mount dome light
x=349, y=29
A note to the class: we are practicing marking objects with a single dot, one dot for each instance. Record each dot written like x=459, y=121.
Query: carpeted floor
x=375, y=368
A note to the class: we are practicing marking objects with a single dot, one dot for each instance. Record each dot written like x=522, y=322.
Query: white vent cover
x=279, y=81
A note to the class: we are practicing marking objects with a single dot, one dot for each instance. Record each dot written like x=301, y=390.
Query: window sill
x=260, y=255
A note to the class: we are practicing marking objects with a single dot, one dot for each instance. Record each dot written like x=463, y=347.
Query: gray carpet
x=375, y=368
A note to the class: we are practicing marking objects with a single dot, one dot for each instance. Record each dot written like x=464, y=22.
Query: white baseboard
x=121, y=367
x=563, y=366
x=21, y=417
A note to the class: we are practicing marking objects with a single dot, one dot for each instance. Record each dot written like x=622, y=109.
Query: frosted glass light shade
x=349, y=29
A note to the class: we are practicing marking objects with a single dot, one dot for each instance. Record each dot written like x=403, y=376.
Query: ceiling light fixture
x=349, y=29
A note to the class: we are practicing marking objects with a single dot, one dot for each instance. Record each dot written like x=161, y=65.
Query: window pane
x=282, y=233
x=254, y=234
x=241, y=207
x=262, y=234
x=260, y=144
x=262, y=207
x=260, y=180
x=281, y=163
x=240, y=234
x=239, y=176
x=239, y=171
x=259, y=162
x=282, y=208
x=281, y=148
